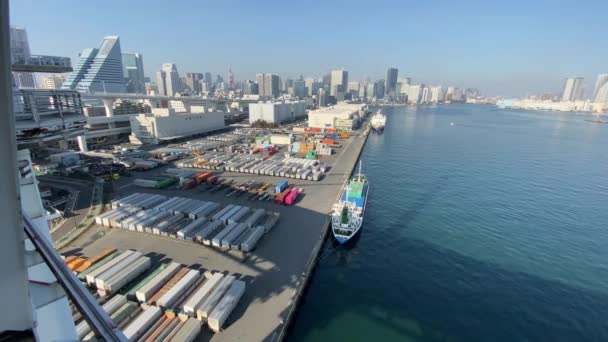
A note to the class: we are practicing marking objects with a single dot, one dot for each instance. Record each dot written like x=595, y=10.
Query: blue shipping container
x=281, y=186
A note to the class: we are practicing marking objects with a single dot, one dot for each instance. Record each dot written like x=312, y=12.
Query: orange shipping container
x=74, y=264
x=328, y=141
x=179, y=275
x=97, y=258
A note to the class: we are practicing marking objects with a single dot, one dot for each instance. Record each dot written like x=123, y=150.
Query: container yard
x=171, y=299
x=187, y=219
x=277, y=244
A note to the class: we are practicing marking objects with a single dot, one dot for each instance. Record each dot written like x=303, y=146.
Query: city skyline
x=502, y=59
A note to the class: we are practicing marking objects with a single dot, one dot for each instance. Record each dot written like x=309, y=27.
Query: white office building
x=99, y=70
x=573, y=89
x=600, y=94
x=436, y=94
x=341, y=116
x=167, y=80
x=165, y=124
x=276, y=111
x=414, y=93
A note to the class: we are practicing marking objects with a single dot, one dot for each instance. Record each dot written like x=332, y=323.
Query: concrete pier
x=276, y=272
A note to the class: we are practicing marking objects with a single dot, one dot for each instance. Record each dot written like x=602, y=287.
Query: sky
x=508, y=48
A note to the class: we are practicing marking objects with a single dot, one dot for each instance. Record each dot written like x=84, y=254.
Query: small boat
x=378, y=121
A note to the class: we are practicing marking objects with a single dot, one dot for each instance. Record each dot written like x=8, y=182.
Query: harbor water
x=483, y=224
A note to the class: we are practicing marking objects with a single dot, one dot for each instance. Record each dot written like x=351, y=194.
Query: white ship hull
x=378, y=121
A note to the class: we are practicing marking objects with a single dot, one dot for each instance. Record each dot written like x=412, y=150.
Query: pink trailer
x=291, y=198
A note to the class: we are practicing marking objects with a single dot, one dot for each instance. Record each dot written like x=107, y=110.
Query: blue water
x=494, y=228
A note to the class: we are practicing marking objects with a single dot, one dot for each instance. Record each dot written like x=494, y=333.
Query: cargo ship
x=378, y=121
x=347, y=215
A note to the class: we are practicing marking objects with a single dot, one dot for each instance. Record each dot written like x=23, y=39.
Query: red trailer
x=280, y=198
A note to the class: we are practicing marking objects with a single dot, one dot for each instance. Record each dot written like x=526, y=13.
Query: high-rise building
x=379, y=89
x=390, y=88
x=230, y=77
x=99, y=70
x=339, y=82
x=53, y=82
x=436, y=94
x=573, y=89
x=204, y=87
x=414, y=93
x=193, y=81
x=20, y=53
x=250, y=87
x=268, y=85
x=322, y=98
x=167, y=80
x=309, y=83
x=209, y=80
x=299, y=88
x=370, y=92
x=600, y=93
x=133, y=69
x=426, y=95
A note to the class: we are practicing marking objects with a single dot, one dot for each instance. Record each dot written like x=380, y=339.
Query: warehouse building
x=277, y=111
x=164, y=124
x=340, y=116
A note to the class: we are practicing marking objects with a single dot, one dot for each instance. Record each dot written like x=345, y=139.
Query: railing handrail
x=97, y=318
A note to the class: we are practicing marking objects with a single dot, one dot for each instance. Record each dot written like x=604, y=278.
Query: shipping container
x=167, y=286
x=164, y=224
x=221, y=213
x=188, y=332
x=252, y=238
x=216, y=295
x=173, y=294
x=207, y=211
x=187, y=232
x=209, y=230
x=239, y=215
x=141, y=323
x=292, y=197
x=218, y=316
x=151, y=287
x=280, y=198
x=217, y=239
x=165, y=322
x=82, y=276
x=229, y=213
x=164, y=334
x=95, y=259
x=130, y=293
x=116, y=260
x=152, y=329
x=129, y=273
x=201, y=294
x=126, y=312
x=111, y=306
x=281, y=186
x=226, y=242
x=101, y=279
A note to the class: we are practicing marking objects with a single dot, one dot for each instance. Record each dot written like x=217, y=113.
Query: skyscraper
x=339, y=81
x=193, y=81
x=390, y=88
x=230, y=77
x=209, y=80
x=379, y=89
x=322, y=98
x=99, y=70
x=133, y=65
x=600, y=94
x=168, y=80
x=20, y=53
x=271, y=85
x=259, y=79
x=370, y=92
x=573, y=89
x=299, y=88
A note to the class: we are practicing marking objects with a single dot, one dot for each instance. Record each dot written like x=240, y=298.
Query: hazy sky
x=501, y=47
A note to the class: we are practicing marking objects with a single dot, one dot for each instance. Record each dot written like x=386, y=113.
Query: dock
x=276, y=272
